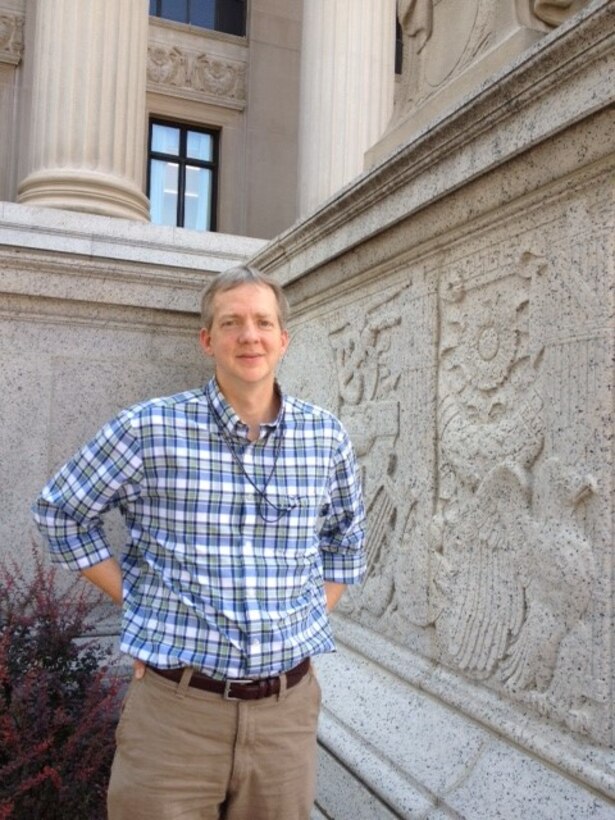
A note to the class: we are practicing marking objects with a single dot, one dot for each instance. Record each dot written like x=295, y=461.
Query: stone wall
x=455, y=306
x=95, y=314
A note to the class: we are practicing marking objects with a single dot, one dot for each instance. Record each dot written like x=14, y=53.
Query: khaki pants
x=184, y=753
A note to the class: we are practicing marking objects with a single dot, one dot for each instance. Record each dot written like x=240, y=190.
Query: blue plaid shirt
x=215, y=576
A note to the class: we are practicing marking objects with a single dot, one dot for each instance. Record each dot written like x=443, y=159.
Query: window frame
x=182, y=160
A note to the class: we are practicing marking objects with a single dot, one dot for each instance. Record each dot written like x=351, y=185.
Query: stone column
x=347, y=83
x=87, y=119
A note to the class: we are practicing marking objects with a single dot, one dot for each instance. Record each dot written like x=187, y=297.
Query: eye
x=265, y=323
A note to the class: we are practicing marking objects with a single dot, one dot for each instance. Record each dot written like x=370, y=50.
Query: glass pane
x=163, y=192
x=203, y=13
x=232, y=16
x=174, y=10
x=165, y=139
x=197, y=202
x=200, y=146
x=152, y=7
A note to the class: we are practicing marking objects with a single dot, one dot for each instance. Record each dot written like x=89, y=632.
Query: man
x=246, y=522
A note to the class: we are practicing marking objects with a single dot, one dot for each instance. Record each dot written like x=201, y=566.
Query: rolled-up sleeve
x=342, y=535
x=105, y=473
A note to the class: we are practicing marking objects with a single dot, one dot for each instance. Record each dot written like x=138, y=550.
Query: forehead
x=250, y=297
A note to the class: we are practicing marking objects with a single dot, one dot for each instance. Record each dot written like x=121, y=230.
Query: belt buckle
x=227, y=687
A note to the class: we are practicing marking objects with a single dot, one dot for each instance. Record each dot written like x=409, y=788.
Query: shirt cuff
x=79, y=553
x=343, y=568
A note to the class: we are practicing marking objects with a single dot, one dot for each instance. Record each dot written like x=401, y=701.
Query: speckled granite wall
x=95, y=314
x=455, y=306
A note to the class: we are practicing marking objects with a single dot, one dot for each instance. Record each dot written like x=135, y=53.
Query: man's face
x=246, y=339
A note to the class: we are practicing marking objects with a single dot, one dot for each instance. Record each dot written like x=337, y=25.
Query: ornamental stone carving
x=554, y=12
x=369, y=372
x=166, y=66
x=179, y=72
x=11, y=38
x=513, y=571
x=430, y=63
x=450, y=48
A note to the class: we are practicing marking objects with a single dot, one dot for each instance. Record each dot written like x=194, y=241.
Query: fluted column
x=86, y=134
x=347, y=84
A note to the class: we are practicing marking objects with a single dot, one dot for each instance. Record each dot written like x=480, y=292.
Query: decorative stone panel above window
x=11, y=37
x=197, y=75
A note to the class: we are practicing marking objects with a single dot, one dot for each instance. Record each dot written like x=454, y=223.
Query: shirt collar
x=228, y=417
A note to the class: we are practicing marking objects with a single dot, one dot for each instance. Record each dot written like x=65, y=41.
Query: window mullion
x=181, y=176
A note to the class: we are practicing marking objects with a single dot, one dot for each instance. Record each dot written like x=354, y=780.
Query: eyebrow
x=240, y=315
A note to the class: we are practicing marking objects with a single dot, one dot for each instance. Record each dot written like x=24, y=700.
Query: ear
x=285, y=341
x=205, y=341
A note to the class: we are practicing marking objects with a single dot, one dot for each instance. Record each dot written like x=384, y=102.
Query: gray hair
x=233, y=278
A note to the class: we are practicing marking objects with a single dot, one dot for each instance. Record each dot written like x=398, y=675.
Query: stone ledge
x=99, y=236
x=63, y=255
x=487, y=719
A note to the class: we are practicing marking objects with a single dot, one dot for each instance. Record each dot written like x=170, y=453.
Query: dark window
x=220, y=15
x=182, y=175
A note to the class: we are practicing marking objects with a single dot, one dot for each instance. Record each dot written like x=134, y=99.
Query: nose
x=249, y=332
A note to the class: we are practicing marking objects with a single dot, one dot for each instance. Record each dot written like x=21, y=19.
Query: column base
x=89, y=192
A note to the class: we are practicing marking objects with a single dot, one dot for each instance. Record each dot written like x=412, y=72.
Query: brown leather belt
x=238, y=689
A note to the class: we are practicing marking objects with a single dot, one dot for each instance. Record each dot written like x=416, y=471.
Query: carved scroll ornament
x=181, y=73
x=11, y=38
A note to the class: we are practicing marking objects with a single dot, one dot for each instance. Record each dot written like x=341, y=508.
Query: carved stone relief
x=512, y=580
x=471, y=410
x=554, y=12
x=429, y=62
x=361, y=376
x=444, y=39
x=172, y=70
x=11, y=38
x=369, y=370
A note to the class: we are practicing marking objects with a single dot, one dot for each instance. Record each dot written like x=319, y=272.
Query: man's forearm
x=333, y=593
x=107, y=576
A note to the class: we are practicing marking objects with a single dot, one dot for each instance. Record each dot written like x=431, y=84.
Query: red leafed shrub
x=58, y=700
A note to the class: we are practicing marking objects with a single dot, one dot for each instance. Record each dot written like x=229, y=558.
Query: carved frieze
x=512, y=568
x=11, y=37
x=196, y=75
x=369, y=371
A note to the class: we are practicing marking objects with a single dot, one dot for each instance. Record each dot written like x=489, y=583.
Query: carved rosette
x=11, y=38
x=196, y=75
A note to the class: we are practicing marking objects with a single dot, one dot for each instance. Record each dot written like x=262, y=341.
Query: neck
x=254, y=407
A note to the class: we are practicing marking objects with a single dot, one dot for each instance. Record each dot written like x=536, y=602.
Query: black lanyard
x=281, y=511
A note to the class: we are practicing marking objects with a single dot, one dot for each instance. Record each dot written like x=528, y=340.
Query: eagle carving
x=511, y=585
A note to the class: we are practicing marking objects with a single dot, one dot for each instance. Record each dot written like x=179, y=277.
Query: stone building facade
x=452, y=302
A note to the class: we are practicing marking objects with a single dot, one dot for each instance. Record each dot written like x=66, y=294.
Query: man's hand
x=138, y=670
